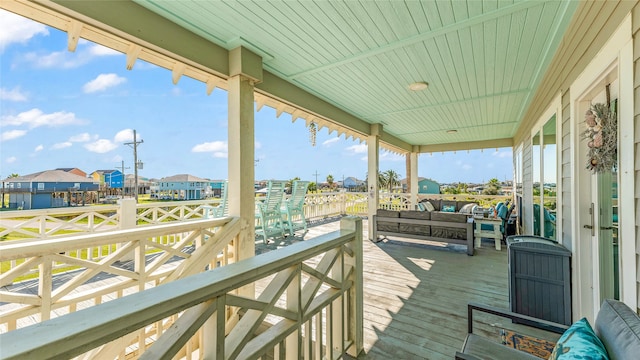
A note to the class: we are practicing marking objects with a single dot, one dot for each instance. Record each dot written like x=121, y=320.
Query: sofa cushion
x=416, y=229
x=385, y=225
x=428, y=206
x=448, y=208
x=449, y=217
x=579, y=342
x=618, y=327
x=444, y=203
x=461, y=204
x=409, y=214
x=434, y=202
x=467, y=208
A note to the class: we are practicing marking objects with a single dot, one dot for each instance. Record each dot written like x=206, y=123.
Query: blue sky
x=77, y=109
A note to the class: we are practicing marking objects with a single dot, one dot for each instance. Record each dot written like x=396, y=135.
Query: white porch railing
x=51, y=222
x=62, y=221
x=310, y=307
x=44, y=278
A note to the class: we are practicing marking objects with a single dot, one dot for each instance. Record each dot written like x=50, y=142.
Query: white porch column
x=373, y=146
x=413, y=164
x=245, y=69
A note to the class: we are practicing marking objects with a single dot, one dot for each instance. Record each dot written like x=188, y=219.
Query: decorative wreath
x=602, y=138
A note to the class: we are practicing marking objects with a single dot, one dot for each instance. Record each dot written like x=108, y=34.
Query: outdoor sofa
x=615, y=335
x=448, y=221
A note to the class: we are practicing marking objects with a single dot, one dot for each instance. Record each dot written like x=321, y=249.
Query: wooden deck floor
x=416, y=295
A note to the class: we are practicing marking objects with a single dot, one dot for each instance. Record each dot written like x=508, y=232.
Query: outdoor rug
x=534, y=346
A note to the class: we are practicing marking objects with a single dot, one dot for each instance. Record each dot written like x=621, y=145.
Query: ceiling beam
x=470, y=145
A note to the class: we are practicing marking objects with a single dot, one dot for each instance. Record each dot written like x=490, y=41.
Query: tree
x=392, y=179
x=312, y=187
x=14, y=175
x=382, y=180
x=492, y=187
x=330, y=181
x=289, y=184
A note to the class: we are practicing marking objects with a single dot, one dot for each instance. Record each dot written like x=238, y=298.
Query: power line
x=134, y=145
x=316, y=174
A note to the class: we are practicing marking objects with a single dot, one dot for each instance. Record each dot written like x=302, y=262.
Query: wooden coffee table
x=495, y=234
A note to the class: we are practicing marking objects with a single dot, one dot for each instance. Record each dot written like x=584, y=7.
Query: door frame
x=614, y=60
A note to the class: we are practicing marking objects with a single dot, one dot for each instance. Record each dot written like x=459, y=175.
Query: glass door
x=607, y=233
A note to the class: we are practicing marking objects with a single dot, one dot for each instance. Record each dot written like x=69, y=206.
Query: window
x=40, y=186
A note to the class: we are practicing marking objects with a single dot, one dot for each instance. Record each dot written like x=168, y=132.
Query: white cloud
x=103, y=82
x=257, y=145
x=85, y=53
x=12, y=134
x=126, y=135
x=11, y=159
x=61, y=145
x=55, y=60
x=99, y=50
x=387, y=156
x=17, y=29
x=357, y=149
x=101, y=146
x=219, y=149
x=503, y=154
x=38, y=148
x=330, y=141
x=12, y=95
x=84, y=137
x=116, y=159
x=35, y=118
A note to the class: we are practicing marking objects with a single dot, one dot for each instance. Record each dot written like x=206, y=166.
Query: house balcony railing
x=45, y=278
x=308, y=301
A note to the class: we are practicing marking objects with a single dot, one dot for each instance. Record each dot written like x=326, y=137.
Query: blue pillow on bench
x=448, y=208
x=579, y=342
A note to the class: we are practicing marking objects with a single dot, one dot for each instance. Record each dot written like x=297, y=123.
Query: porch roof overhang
x=347, y=65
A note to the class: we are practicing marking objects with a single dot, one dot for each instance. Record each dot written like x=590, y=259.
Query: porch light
x=418, y=86
x=452, y=131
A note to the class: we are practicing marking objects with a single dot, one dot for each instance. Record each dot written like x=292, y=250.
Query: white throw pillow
x=429, y=206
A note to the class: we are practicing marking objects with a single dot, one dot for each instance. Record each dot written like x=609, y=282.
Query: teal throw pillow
x=421, y=207
x=449, y=208
x=579, y=342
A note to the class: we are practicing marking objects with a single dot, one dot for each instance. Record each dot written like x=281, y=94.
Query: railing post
x=45, y=287
x=128, y=214
x=128, y=219
x=356, y=301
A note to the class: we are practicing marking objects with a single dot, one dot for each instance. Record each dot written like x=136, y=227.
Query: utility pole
x=316, y=174
x=123, y=177
x=134, y=145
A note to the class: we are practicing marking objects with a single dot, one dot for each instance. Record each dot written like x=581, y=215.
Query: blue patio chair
x=269, y=215
x=294, y=207
x=549, y=222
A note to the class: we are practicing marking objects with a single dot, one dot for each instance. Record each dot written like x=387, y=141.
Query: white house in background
x=183, y=187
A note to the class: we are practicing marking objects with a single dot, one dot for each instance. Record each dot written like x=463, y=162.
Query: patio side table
x=495, y=233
